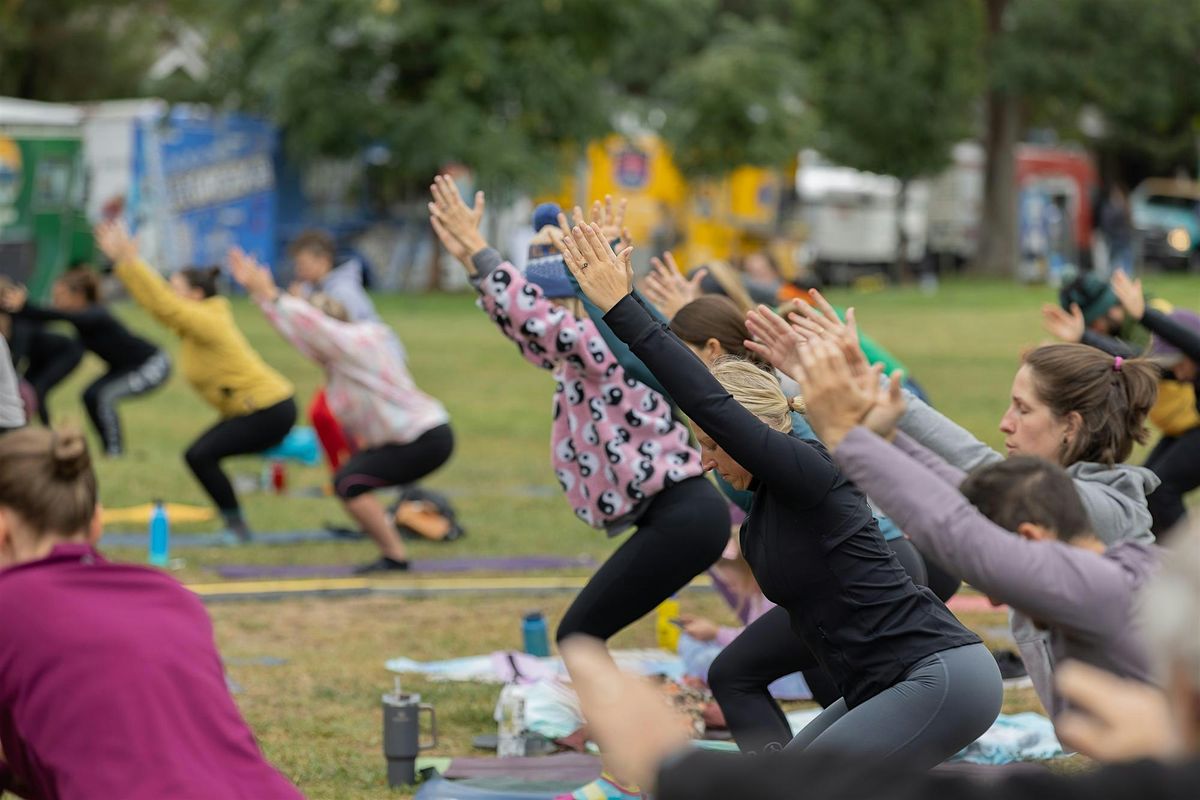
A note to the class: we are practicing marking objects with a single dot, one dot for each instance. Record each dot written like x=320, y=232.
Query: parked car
x=1166, y=215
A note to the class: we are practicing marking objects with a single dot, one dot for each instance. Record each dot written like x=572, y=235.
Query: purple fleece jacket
x=1086, y=601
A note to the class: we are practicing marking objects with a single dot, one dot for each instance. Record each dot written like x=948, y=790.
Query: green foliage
x=74, y=50
x=501, y=86
x=1134, y=62
x=894, y=81
x=737, y=101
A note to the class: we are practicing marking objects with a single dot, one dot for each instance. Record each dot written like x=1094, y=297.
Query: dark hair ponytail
x=715, y=316
x=1111, y=395
x=202, y=278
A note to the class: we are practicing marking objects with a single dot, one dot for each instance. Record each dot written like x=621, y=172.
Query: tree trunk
x=901, y=267
x=998, y=227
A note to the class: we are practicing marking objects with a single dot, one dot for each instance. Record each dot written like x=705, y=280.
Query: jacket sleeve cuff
x=485, y=262
x=629, y=320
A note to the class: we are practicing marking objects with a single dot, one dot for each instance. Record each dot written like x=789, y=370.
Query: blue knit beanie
x=547, y=269
x=545, y=214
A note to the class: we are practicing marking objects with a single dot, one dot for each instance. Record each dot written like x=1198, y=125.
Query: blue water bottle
x=533, y=629
x=160, y=532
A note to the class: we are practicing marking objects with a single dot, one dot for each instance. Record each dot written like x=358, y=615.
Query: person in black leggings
x=135, y=366
x=403, y=434
x=1176, y=347
x=48, y=358
x=255, y=402
x=621, y=457
x=916, y=685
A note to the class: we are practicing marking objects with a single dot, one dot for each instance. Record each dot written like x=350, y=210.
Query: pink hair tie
x=1117, y=362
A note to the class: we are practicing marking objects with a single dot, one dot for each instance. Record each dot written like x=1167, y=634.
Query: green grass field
x=317, y=716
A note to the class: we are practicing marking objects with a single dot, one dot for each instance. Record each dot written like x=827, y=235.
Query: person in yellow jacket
x=256, y=403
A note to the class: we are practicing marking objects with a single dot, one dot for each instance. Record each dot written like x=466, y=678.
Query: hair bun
x=69, y=451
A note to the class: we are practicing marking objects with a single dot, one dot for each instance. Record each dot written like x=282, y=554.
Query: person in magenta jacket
x=401, y=434
x=110, y=680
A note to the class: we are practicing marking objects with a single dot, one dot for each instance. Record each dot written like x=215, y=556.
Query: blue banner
x=204, y=183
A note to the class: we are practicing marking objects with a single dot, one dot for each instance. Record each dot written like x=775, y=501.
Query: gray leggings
x=945, y=702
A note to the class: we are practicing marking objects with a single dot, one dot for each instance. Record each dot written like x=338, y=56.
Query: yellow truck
x=746, y=211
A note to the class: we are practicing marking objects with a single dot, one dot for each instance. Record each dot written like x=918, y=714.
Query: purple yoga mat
x=511, y=564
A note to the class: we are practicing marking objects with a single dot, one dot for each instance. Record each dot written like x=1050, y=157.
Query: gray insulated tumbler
x=402, y=735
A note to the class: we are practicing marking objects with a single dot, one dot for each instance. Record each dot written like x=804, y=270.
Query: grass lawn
x=317, y=715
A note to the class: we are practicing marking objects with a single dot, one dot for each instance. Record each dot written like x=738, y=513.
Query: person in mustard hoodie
x=256, y=403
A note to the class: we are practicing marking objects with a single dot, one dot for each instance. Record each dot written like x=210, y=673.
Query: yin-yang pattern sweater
x=614, y=443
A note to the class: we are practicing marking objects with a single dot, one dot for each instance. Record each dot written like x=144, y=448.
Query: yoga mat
x=140, y=515
x=194, y=540
x=438, y=565
x=969, y=603
x=574, y=768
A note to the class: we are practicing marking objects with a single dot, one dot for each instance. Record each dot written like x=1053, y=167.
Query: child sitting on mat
x=111, y=684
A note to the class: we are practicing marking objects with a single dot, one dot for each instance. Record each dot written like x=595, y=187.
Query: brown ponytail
x=1111, y=395
x=46, y=477
x=714, y=317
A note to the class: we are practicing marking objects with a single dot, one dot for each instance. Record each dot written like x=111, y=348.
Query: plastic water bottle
x=160, y=533
x=533, y=631
x=665, y=629
x=510, y=714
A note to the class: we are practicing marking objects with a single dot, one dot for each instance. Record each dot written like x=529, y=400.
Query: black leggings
x=1176, y=461
x=740, y=675
x=679, y=536
x=236, y=436
x=52, y=357
x=102, y=396
x=394, y=464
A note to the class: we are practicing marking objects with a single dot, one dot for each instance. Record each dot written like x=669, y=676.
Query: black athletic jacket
x=810, y=537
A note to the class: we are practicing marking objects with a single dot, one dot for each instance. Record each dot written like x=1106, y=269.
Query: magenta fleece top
x=1086, y=601
x=111, y=687
x=614, y=442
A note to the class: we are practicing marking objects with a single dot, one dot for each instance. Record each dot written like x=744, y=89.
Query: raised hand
x=13, y=298
x=114, y=241
x=456, y=225
x=775, y=341
x=823, y=322
x=666, y=287
x=890, y=405
x=610, y=219
x=1114, y=719
x=256, y=279
x=1067, y=326
x=835, y=399
x=1130, y=294
x=604, y=276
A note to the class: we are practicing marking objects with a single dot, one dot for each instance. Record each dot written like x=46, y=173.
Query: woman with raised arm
x=401, y=433
x=622, y=459
x=917, y=686
x=255, y=402
x=1176, y=349
x=135, y=366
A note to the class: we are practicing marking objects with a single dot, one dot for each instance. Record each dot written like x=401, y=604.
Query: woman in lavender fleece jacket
x=401, y=433
x=621, y=457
